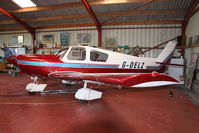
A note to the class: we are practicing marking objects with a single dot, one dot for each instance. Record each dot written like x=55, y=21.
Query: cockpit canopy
x=98, y=56
x=81, y=54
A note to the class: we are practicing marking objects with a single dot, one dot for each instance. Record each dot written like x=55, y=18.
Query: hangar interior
x=122, y=25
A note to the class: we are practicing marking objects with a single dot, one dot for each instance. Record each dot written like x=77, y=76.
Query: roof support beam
x=113, y=23
x=19, y=21
x=92, y=24
x=145, y=22
x=96, y=21
x=186, y=19
x=106, y=2
x=190, y=11
x=195, y=11
x=127, y=12
x=103, y=14
x=76, y=4
x=52, y=7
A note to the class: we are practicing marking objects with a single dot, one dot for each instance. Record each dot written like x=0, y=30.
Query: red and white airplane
x=95, y=65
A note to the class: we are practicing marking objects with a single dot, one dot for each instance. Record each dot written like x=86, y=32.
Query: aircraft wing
x=139, y=80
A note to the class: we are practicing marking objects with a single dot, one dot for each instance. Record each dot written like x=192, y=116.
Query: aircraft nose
x=12, y=60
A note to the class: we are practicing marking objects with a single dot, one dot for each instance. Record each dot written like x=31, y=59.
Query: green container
x=125, y=47
x=14, y=74
x=1, y=60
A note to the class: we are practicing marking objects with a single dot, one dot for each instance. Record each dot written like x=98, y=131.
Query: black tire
x=68, y=85
x=44, y=79
x=83, y=101
x=31, y=93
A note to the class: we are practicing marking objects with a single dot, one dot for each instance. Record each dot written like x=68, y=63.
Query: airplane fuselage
x=95, y=61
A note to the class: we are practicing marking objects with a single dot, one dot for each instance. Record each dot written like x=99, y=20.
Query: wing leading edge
x=141, y=80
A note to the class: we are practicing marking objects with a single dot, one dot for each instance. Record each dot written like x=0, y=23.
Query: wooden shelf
x=192, y=46
x=49, y=48
x=196, y=82
x=7, y=70
x=3, y=70
x=133, y=47
x=178, y=47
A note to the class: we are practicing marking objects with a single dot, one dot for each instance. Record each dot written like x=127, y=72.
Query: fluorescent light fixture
x=24, y=3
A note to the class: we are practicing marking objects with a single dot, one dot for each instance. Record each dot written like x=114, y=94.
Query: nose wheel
x=34, y=87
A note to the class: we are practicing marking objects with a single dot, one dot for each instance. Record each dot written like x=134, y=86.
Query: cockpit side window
x=98, y=56
x=77, y=54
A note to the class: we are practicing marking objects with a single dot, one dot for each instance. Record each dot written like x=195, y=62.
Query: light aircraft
x=96, y=65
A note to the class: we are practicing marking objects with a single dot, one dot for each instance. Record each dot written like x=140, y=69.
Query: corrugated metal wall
x=142, y=36
x=73, y=32
x=7, y=38
x=192, y=31
x=133, y=35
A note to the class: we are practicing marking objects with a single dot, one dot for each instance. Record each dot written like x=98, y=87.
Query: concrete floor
x=119, y=111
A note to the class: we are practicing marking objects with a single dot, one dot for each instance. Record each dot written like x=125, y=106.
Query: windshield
x=61, y=53
x=77, y=53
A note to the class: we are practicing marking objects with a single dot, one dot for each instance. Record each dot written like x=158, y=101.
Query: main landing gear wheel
x=31, y=93
x=86, y=94
x=83, y=101
x=68, y=85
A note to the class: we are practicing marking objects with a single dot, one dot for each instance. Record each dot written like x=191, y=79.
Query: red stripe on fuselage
x=40, y=58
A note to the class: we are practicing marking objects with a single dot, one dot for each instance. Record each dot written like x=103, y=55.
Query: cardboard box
x=46, y=52
x=2, y=65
